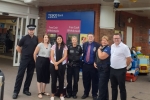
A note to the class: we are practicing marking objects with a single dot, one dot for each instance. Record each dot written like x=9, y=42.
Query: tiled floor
x=139, y=90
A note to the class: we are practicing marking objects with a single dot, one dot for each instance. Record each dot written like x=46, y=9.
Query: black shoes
x=15, y=96
x=68, y=96
x=95, y=98
x=27, y=93
x=74, y=97
x=84, y=96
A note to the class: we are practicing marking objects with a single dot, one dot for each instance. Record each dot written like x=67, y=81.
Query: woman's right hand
x=56, y=67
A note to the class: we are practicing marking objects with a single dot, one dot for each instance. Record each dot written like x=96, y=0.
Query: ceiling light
x=133, y=0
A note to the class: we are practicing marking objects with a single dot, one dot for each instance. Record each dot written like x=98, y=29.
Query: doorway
x=12, y=29
x=7, y=36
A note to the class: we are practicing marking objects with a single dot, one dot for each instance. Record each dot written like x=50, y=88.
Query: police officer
x=102, y=63
x=26, y=47
x=74, y=54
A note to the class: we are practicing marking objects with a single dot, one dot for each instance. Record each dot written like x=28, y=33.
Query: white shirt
x=118, y=55
x=53, y=48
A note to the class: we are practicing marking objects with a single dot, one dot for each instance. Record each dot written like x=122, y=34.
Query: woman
x=42, y=65
x=103, y=65
x=58, y=65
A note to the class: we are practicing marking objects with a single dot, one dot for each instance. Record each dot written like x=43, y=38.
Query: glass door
x=21, y=30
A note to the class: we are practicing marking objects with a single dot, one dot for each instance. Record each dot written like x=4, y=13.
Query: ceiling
x=123, y=4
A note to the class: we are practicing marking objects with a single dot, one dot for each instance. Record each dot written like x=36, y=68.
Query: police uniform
x=74, y=54
x=27, y=63
x=104, y=73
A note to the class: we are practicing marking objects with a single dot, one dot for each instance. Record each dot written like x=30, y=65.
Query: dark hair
x=62, y=43
x=90, y=34
x=82, y=38
x=118, y=34
x=48, y=38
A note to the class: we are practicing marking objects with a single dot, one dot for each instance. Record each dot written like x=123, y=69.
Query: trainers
x=62, y=98
x=52, y=98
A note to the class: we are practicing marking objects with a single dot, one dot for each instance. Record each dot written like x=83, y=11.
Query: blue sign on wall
x=86, y=17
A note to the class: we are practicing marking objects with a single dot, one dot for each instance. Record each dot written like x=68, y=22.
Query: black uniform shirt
x=28, y=45
x=74, y=53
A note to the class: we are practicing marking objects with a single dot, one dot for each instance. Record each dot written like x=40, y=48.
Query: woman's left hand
x=56, y=63
x=95, y=65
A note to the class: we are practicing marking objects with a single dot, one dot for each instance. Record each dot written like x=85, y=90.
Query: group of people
x=99, y=63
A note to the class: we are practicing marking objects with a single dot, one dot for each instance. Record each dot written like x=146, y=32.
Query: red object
x=62, y=27
x=143, y=67
x=131, y=77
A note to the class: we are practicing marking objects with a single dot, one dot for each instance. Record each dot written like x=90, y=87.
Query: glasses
x=116, y=38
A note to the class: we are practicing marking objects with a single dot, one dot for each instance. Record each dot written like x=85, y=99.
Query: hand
x=100, y=47
x=95, y=65
x=56, y=63
x=56, y=67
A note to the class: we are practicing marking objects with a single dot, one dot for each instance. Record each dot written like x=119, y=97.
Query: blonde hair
x=105, y=37
x=74, y=37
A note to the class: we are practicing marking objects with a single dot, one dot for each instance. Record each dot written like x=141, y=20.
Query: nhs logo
x=53, y=16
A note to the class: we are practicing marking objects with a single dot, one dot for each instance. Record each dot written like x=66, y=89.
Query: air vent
x=108, y=0
x=139, y=11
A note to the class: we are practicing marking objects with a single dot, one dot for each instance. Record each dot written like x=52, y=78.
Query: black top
x=28, y=45
x=74, y=53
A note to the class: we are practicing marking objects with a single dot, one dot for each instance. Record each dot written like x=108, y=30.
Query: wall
x=23, y=10
x=140, y=26
x=87, y=7
x=107, y=32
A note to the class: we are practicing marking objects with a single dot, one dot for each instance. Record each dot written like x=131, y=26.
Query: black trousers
x=104, y=74
x=57, y=74
x=90, y=75
x=27, y=65
x=117, y=77
x=72, y=72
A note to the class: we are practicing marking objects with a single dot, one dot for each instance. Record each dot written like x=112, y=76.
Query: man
x=74, y=54
x=90, y=73
x=120, y=59
x=26, y=47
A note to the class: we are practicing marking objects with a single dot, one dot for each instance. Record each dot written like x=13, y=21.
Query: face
x=90, y=38
x=84, y=39
x=133, y=49
x=46, y=39
x=104, y=42
x=117, y=39
x=59, y=40
x=31, y=32
x=74, y=41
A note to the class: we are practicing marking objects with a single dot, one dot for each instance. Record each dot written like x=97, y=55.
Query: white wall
x=107, y=17
x=18, y=9
x=129, y=37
